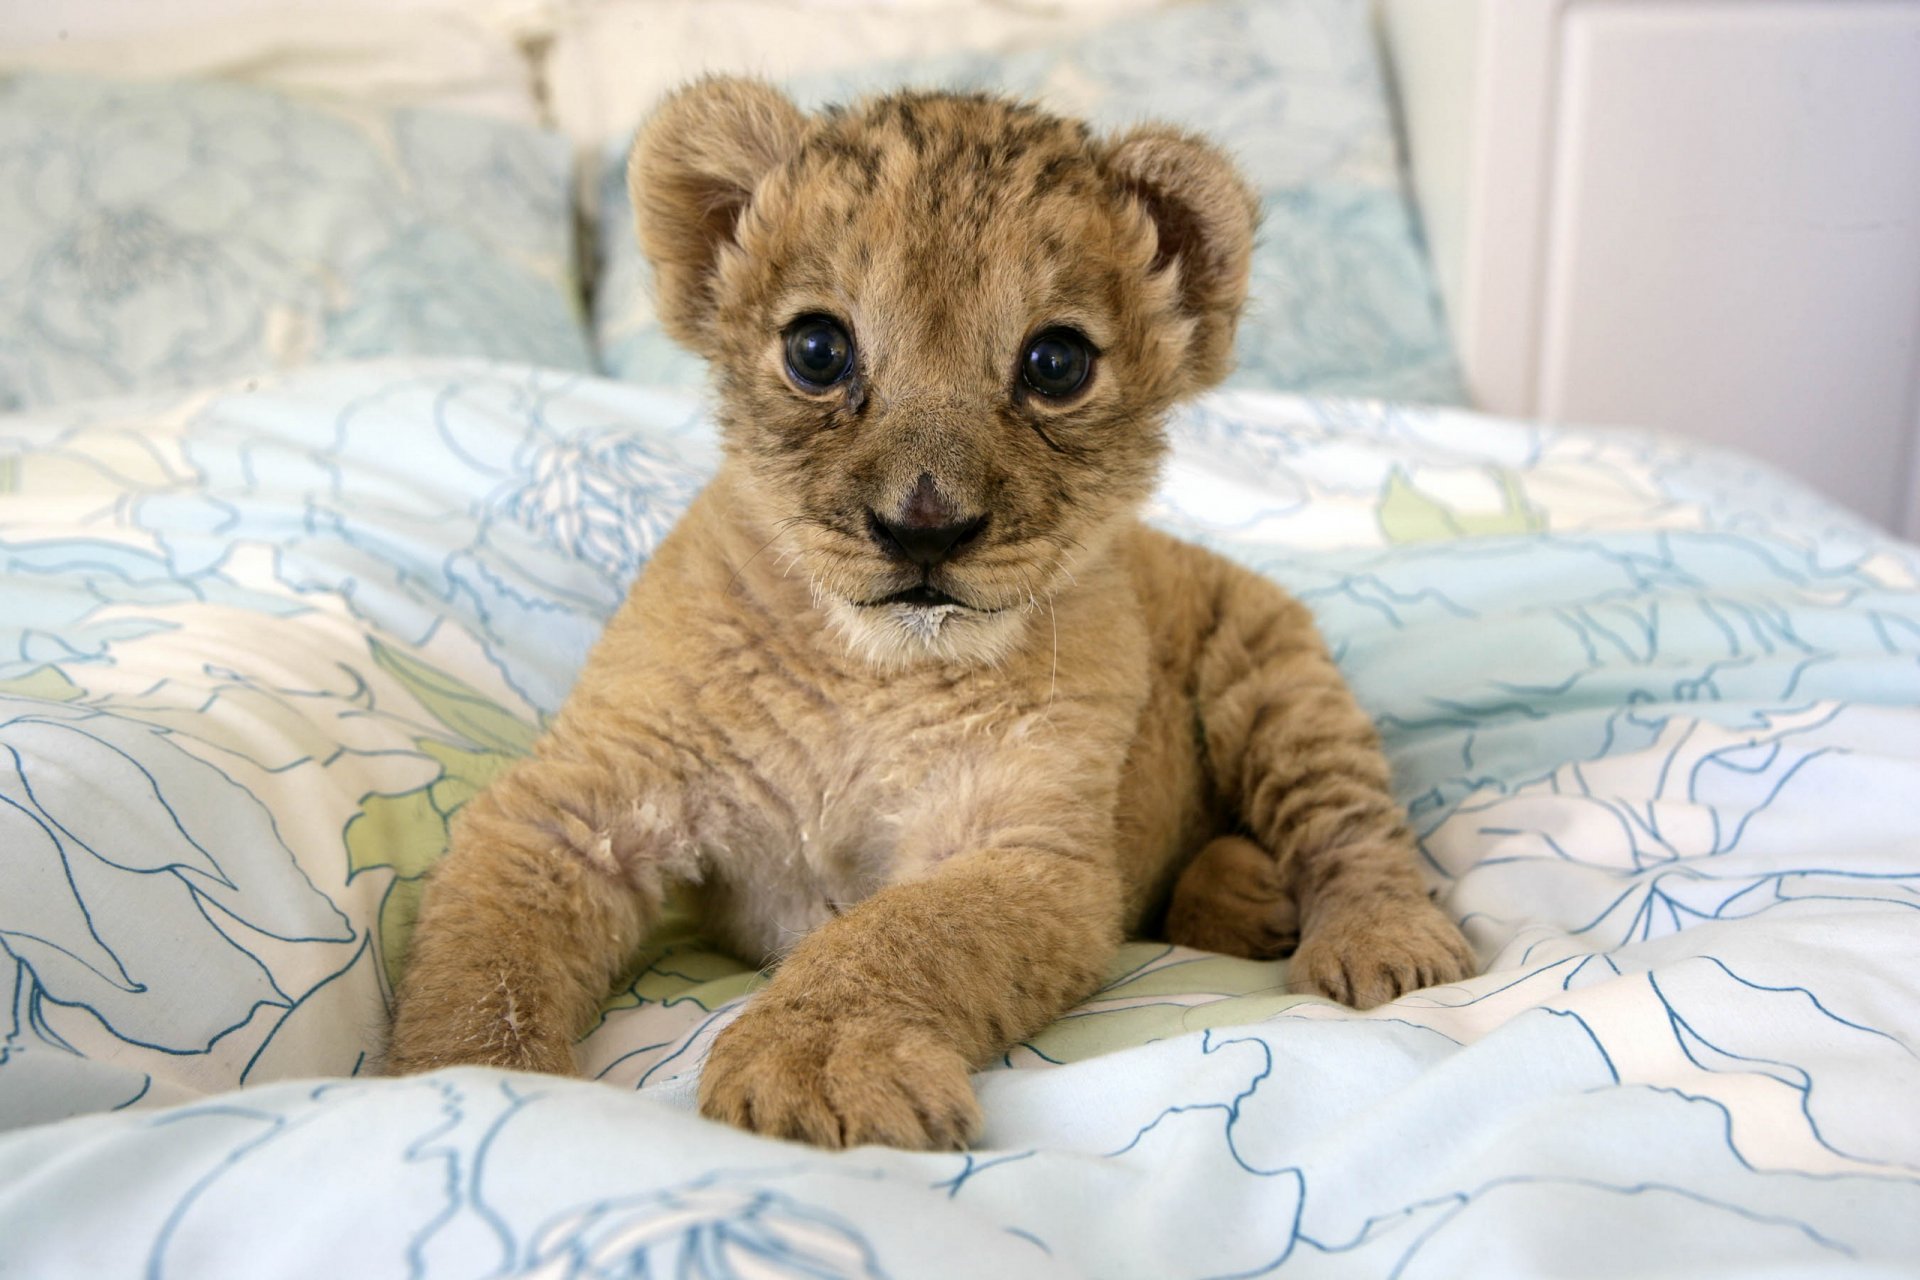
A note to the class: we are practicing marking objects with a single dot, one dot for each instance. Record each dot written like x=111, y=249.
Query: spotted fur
x=938, y=819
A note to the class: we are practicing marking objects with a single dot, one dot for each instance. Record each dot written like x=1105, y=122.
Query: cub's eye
x=1056, y=363
x=819, y=351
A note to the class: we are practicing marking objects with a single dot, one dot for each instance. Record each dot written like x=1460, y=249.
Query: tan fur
x=939, y=821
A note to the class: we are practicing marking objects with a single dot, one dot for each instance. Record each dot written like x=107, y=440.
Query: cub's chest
x=824, y=805
x=822, y=781
x=834, y=768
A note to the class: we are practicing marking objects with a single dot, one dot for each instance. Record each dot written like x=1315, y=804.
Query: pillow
x=453, y=55
x=1343, y=298
x=610, y=60
x=163, y=235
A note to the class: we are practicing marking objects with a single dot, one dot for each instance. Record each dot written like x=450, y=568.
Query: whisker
x=779, y=528
x=1053, y=683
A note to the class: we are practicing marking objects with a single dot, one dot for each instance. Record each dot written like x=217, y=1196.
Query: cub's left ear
x=1204, y=214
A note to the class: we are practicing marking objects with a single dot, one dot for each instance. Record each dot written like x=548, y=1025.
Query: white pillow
x=439, y=54
x=611, y=60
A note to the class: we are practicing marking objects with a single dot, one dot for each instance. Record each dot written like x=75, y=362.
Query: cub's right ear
x=692, y=174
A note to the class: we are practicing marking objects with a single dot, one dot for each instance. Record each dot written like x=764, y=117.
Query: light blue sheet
x=1653, y=711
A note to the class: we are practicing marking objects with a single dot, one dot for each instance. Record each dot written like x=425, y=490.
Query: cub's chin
x=913, y=627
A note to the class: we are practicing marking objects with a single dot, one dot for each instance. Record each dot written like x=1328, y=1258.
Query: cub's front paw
x=1371, y=953
x=836, y=1082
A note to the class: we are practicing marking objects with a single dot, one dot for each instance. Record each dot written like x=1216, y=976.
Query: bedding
x=1342, y=296
x=1655, y=713
x=160, y=235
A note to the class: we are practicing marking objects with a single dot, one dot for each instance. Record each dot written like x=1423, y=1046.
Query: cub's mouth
x=925, y=596
x=934, y=617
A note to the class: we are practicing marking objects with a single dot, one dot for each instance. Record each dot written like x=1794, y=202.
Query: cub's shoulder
x=1166, y=568
x=1191, y=595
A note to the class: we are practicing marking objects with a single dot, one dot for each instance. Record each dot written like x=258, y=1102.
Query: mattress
x=1652, y=710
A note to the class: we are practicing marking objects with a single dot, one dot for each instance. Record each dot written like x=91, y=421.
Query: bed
x=274, y=602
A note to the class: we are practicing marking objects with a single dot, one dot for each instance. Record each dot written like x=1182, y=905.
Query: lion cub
x=910, y=697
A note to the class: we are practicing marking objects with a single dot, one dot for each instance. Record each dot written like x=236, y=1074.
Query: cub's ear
x=692, y=173
x=1204, y=214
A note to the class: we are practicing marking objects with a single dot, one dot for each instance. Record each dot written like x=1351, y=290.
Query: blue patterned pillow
x=1343, y=298
x=161, y=235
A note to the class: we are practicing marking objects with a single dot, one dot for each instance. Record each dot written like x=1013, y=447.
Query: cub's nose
x=928, y=530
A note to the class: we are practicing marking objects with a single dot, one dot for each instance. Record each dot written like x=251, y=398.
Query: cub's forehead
x=944, y=145
x=950, y=192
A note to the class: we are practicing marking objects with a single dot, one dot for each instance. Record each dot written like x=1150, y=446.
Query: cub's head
x=945, y=330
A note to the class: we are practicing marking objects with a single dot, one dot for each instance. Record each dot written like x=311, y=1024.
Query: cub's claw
x=839, y=1082
x=1369, y=955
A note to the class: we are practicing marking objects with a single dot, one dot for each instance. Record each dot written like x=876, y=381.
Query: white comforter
x=1653, y=711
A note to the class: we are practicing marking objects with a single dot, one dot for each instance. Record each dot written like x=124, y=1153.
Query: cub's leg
x=872, y=1023
x=1301, y=767
x=551, y=884
x=1234, y=899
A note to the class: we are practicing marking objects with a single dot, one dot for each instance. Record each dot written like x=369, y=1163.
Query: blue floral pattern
x=157, y=235
x=118, y=844
x=1652, y=709
x=1343, y=299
